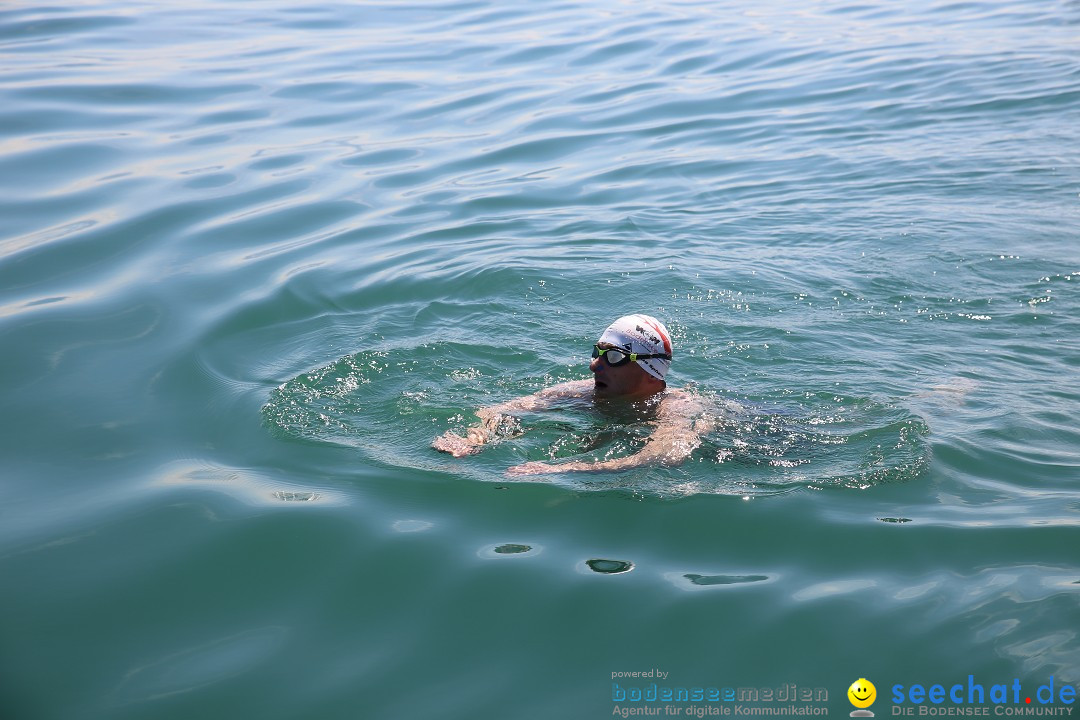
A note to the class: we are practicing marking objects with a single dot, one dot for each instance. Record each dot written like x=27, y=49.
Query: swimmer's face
x=624, y=380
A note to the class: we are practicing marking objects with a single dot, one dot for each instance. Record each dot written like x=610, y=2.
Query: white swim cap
x=644, y=335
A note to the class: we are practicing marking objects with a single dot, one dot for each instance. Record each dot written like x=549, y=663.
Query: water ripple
x=252, y=260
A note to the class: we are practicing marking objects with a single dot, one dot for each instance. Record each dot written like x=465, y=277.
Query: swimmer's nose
x=595, y=364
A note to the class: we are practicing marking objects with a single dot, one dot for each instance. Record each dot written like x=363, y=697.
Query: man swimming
x=629, y=364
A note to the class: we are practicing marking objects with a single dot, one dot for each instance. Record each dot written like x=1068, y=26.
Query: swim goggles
x=616, y=357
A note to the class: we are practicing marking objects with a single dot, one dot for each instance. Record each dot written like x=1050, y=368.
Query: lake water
x=254, y=257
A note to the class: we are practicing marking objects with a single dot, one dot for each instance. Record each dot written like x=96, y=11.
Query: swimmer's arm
x=664, y=447
x=540, y=400
x=676, y=436
x=494, y=417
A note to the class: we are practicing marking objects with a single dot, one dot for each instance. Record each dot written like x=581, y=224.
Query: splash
x=391, y=404
x=815, y=441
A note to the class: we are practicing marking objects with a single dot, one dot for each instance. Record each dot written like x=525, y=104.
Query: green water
x=254, y=258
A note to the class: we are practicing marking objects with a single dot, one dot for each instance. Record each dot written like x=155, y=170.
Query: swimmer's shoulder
x=677, y=401
x=680, y=396
x=687, y=411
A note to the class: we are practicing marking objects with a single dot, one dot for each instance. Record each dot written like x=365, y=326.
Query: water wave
x=392, y=403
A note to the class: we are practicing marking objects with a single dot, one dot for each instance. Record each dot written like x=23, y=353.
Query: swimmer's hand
x=492, y=425
x=451, y=442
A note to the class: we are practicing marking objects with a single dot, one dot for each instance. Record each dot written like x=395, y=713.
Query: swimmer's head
x=642, y=335
x=644, y=360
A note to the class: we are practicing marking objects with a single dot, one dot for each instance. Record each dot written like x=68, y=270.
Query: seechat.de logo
x=862, y=695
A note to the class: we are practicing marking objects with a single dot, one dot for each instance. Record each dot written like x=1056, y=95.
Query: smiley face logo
x=862, y=693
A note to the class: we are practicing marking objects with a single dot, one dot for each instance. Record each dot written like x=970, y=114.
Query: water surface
x=253, y=258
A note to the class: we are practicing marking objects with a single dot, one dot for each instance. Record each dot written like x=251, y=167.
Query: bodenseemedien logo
x=862, y=695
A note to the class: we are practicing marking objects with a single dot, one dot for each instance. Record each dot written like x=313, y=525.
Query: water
x=254, y=257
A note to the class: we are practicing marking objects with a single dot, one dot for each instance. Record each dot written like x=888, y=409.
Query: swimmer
x=629, y=363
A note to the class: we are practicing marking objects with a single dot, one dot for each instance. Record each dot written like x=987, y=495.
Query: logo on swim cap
x=644, y=335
